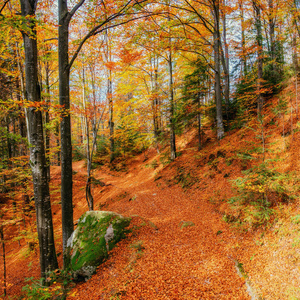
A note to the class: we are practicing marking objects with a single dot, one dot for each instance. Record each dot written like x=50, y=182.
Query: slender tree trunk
x=257, y=14
x=4, y=260
x=22, y=123
x=218, y=98
x=65, y=126
x=47, y=119
x=171, y=97
x=22, y=87
x=296, y=68
x=225, y=62
x=274, y=53
x=244, y=59
x=295, y=55
x=79, y=130
x=3, y=142
x=155, y=101
x=44, y=223
x=110, y=99
x=111, y=118
x=173, y=153
x=88, y=192
x=8, y=141
x=57, y=144
x=296, y=17
x=13, y=142
x=199, y=124
x=82, y=128
x=95, y=108
x=271, y=18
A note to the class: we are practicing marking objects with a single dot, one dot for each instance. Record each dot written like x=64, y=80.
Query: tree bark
x=172, y=120
x=22, y=122
x=171, y=100
x=57, y=144
x=65, y=126
x=88, y=192
x=272, y=29
x=110, y=98
x=244, y=59
x=47, y=118
x=216, y=35
x=199, y=124
x=155, y=100
x=8, y=141
x=44, y=223
x=225, y=63
x=4, y=260
x=257, y=15
x=111, y=118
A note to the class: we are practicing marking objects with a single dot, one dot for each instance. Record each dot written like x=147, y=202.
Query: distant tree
x=194, y=90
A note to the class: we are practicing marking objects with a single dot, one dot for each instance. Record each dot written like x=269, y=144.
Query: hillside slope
x=181, y=247
x=201, y=259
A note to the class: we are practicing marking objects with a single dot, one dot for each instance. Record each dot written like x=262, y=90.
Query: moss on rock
x=96, y=234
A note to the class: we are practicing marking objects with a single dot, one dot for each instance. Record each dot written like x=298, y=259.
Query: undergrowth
x=257, y=193
x=165, y=158
x=184, y=178
x=59, y=283
x=138, y=253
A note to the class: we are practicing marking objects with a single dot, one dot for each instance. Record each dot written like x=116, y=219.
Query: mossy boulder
x=96, y=234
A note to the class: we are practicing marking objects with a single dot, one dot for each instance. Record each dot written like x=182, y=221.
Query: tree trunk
x=88, y=192
x=57, y=144
x=95, y=108
x=257, y=14
x=199, y=124
x=171, y=97
x=225, y=62
x=65, y=126
x=44, y=224
x=274, y=51
x=295, y=55
x=110, y=100
x=4, y=260
x=111, y=118
x=47, y=119
x=155, y=100
x=8, y=141
x=218, y=98
x=22, y=90
x=244, y=59
x=296, y=17
x=13, y=141
x=272, y=29
x=22, y=122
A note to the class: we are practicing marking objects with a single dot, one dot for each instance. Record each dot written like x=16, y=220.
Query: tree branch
x=75, y=8
x=98, y=29
x=3, y=6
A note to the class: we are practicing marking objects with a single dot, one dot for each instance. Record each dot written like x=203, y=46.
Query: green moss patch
x=96, y=234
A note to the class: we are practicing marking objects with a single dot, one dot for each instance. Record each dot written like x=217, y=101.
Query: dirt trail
x=186, y=255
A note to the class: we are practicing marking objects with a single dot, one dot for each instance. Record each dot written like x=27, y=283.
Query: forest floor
x=180, y=246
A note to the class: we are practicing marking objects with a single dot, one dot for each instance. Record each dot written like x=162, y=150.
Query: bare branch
x=3, y=6
x=51, y=39
x=100, y=28
x=75, y=8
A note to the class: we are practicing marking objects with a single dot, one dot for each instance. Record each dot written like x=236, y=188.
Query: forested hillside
x=181, y=115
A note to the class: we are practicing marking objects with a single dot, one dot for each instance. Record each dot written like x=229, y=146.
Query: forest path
x=186, y=255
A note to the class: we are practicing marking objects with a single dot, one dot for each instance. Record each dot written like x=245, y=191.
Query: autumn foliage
x=182, y=115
